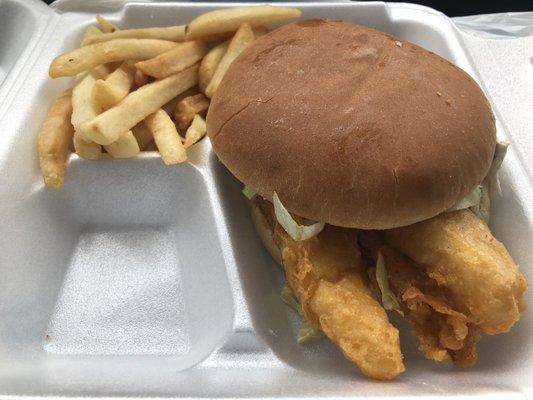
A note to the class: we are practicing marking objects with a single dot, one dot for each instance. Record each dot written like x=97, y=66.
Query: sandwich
x=369, y=163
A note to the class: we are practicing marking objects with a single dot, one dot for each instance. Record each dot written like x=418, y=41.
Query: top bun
x=350, y=126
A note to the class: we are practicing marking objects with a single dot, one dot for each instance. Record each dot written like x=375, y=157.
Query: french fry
x=210, y=63
x=217, y=38
x=140, y=79
x=83, y=106
x=173, y=61
x=86, y=149
x=151, y=146
x=89, y=33
x=187, y=108
x=107, y=27
x=230, y=19
x=84, y=109
x=196, y=131
x=125, y=146
x=166, y=137
x=87, y=57
x=172, y=33
x=143, y=135
x=240, y=41
x=260, y=31
x=136, y=106
x=170, y=106
x=106, y=93
x=54, y=139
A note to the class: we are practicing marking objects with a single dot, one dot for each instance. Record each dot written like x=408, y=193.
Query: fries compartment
x=129, y=266
x=173, y=267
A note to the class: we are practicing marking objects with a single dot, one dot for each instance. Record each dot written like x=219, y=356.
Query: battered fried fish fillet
x=444, y=332
x=458, y=251
x=327, y=275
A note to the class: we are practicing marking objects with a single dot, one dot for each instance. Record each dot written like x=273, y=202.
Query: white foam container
x=141, y=280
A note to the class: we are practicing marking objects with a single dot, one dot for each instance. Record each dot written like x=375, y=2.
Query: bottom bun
x=264, y=229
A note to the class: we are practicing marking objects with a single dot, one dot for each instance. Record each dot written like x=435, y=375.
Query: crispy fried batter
x=458, y=251
x=327, y=275
x=444, y=332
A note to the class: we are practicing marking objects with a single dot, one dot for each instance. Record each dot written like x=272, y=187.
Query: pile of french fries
x=144, y=89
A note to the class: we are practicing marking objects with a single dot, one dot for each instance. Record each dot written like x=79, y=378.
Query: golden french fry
x=86, y=149
x=187, y=108
x=210, y=63
x=172, y=33
x=89, y=33
x=151, y=146
x=54, y=139
x=175, y=60
x=87, y=57
x=71, y=146
x=170, y=106
x=166, y=137
x=106, y=93
x=136, y=106
x=83, y=106
x=141, y=79
x=230, y=19
x=260, y=31
x=143, y=135
x=125, y=146
x=85, y=109
x=217, y=38
x=196, y=131
x=240, y=41
x=107, y=27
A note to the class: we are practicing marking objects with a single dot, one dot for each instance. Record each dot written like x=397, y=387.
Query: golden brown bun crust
x=264, y=229
x=351, y=127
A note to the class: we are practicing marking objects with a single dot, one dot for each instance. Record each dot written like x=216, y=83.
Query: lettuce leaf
x=307, y=331
x=492, y=180
x=470, y=200
x=388, y=299
x=288, y=297
x=248, y=192
x=479, y=199
x=296, y=232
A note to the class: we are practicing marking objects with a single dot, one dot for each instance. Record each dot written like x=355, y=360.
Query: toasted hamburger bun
x=264, y=229
x=351, y=126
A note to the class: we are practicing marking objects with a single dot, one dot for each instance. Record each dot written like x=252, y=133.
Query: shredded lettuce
x=492, y=179
x=307, y=331
x=470, y=200
x=479, y=199
x=296, y=232
x=482, y=209
x=249, y=192
x=288, y=297
x=388, y=299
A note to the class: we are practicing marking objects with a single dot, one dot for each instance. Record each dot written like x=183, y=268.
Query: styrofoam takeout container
x=138, y=279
